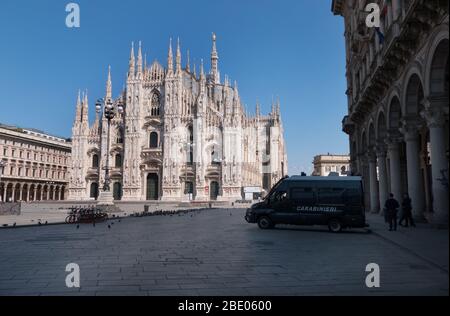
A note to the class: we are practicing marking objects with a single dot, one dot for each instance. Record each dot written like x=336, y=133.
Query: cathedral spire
x=170, y=58
x=188, y=62
x=139, y=62
x=109, y=84
x=195, y=69
x=131, y=66
x=258, y=109
x=202, y=71
x=85, y=108
x=215, y=75
x=78, y=108
x=178, y=57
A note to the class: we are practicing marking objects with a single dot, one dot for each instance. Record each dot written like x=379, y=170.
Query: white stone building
x=398, y=102
x=335, y=164
x=181, y=135
x=33, y=165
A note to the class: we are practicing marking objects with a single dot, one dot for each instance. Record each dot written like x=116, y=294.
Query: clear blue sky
x=290, y=48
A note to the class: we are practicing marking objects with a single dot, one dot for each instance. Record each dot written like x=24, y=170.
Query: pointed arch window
x=95, y=161
x=155, y=104
x=153, y=140
x=118, y=161
x=119, y=135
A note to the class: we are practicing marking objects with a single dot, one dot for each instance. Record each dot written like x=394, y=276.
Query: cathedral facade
x=181, y=135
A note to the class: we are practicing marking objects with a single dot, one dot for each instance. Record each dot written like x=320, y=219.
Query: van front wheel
x=335, y=225
x=265, y=222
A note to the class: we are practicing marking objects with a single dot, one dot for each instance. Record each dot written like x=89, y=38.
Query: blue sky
x=293, y=49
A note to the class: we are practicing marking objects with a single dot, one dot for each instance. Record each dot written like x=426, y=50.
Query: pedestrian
x=406, y=212
x=392, y=206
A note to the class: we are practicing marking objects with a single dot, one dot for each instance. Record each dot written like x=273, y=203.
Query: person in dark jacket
x=392, y=206
x=406, y=212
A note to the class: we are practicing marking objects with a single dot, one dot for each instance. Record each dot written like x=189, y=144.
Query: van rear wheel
x=335, y=225
x=265, y=222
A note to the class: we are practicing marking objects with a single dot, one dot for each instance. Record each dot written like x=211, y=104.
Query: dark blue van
x=337, y=202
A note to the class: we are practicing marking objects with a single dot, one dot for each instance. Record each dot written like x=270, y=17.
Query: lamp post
x=109, y=112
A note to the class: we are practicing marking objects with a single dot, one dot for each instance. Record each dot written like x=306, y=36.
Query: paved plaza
x=210, y=252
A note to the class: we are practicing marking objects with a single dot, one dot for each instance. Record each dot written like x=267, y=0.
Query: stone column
x=435, y=118
x=373, y=183
x=20, y=192
x=4, y=192
x=60, y=193
x=382, y=174
x=415, y=184
x=34, y=192
x=394, y=168
x=13, y=192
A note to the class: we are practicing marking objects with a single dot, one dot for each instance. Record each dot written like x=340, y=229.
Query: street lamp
x=110, y=112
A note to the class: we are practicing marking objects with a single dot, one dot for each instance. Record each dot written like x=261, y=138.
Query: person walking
x=407, y=212
x=392, y=206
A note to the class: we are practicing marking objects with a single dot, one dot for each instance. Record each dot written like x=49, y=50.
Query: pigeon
x=109, y=226
x=78, y=226
x=119, y=220
x=112, y=223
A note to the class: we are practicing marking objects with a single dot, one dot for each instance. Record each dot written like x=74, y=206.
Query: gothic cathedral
x=180, y=136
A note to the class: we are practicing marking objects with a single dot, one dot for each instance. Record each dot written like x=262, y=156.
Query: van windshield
x=274, y=188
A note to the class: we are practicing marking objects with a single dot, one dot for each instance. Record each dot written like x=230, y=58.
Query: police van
x=337, y=202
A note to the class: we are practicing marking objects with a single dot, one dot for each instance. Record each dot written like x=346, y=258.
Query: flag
x=380, y=35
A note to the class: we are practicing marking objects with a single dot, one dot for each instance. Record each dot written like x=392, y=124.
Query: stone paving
x=212, y=252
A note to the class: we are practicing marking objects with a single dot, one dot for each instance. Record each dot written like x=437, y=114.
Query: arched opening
x=45, y=193
x=118, y=161
x=95, y=161
x=39, y=193
x=418, y=164
x=152, y=186
x=381, y=128
x=439, y=74
x=25, y=192
x=94, y=190
x=117, y=191
x=153, y=140
x=213, y=190
x=31, y=193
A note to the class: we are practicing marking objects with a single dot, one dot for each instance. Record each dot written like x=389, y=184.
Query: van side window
x=305, y=196
x=331, y=196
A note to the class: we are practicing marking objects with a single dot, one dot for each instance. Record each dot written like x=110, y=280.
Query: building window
x=153, y=140
x=118, y=161
x=120, y=135
x=95, y=161
x=154, y=111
